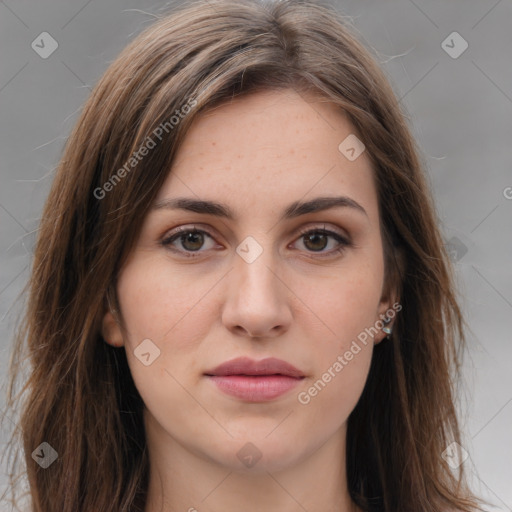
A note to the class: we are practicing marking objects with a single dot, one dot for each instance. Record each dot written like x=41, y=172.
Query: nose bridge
x=255, y=268
x=257, y=299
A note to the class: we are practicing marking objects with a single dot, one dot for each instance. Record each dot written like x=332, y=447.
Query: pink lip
x=255, y=381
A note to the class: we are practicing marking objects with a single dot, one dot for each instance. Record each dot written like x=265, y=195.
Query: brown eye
x=317, y=240
x=185, y=241
x=192, y=241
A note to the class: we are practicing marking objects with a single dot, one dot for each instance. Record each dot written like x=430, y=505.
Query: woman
x=240, y=298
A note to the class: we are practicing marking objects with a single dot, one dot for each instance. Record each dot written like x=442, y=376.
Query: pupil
x=316, y=236
x=196, y=241
x=192, y=237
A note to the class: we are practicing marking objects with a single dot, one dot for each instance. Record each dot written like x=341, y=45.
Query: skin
x=256, y=154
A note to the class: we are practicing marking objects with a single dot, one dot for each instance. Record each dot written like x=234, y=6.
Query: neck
x=185, y=481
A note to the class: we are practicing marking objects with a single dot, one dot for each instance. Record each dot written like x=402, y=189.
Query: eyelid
x=311, y=226
x=325, y=227
x=333, y=232
x=175, y=232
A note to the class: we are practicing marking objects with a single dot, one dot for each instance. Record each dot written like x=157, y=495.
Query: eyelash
x=344, y=242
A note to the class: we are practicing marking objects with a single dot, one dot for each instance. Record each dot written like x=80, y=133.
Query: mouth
x=255, y=381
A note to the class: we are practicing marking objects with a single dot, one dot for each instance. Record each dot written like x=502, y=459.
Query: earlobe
x=386, y=328
x=111, y=331
x=386, y=319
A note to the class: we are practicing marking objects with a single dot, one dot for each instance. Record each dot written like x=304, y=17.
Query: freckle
x=214, y=143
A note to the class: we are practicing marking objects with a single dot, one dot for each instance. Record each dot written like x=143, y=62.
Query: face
x=270, y=280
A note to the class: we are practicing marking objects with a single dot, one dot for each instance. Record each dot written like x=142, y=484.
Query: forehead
x=268, y=149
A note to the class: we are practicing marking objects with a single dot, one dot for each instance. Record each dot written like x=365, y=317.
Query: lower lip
x=255, y=389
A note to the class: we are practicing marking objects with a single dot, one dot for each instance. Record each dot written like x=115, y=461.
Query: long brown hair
x=79, y=395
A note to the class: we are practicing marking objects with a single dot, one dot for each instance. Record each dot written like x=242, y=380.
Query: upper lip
x=247, y=366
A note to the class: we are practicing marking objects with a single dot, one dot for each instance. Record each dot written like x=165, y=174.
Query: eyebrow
x=295, y=209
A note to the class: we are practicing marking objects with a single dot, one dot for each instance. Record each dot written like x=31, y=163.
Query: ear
x=389, y=304
x=111, y=330
x=388, y=308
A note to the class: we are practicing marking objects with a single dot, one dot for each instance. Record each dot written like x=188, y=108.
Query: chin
x=255, y=454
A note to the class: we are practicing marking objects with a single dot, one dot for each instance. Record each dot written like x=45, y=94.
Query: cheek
x=346, y=303
x=325, y=404
x=168, y=307
x=162, y=303
x=342, y=380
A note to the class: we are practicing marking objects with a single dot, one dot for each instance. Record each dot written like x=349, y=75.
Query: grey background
x=460, y=112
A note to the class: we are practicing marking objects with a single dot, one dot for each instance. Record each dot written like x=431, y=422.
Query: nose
x=257, y=302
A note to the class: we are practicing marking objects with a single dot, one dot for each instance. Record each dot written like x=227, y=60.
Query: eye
x=317, y=239
x=189, y=241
